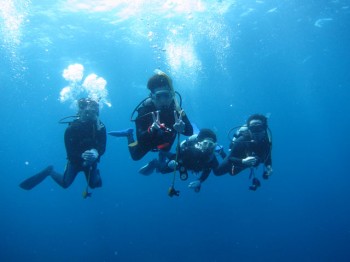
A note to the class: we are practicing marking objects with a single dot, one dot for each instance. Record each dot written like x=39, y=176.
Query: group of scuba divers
x=159, y=123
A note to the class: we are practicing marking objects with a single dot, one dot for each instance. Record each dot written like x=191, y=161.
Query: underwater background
x=289, y=60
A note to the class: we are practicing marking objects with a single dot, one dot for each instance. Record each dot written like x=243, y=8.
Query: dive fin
x=35, y=180
x=122, y=133
x=149, y=168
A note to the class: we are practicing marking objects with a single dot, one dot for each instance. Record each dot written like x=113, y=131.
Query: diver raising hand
x=156, y=123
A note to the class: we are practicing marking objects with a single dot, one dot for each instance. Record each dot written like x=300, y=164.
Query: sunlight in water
x=12, y=17
x=181, y=56
x=173, y=28
x=128, y=9
x=12, y=14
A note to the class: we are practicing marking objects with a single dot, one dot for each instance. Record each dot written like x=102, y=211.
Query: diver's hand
x=172, y=164
x=220, y=150
x=156, y=125
x=195, y=185
x=249, y=161
x=90, y=156
x=179, y=125
x=268, y=172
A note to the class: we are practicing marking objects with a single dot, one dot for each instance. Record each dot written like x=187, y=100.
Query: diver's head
x=88, y=109
x=161, y=92
x=257, y=123
x=206, y=141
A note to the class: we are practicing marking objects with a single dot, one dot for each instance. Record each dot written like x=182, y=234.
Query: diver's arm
x=268, y=161
x=204, y=175
x=143, y=133
x=68, y=141
x=224, y=167
x=71, y=141
x=188, y=126
x=238, y=151
x=236, y=160
x=143, y=123
x=219, y=149
x=101, y=141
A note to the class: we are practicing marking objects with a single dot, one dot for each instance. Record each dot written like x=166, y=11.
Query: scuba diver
x=251, y=146
x=196, y=154
x=159, y=119
x=85, y=142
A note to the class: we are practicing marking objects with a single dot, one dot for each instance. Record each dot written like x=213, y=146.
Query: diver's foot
x=122, y=133
x=33, y=181
x=256, y=184
x=253, y=188
x=149, y=168
x=266, y=175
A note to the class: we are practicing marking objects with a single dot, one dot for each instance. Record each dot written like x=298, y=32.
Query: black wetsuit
x=245, y=146
x=193, y=159
x=161, y=139
x=79, y=137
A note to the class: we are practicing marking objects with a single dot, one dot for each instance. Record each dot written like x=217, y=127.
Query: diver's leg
x=132, y=144
x=149, y=168
x=130, y=137
x=93, y=177
x=137, y=151
x=68, y=177
x=163, y=156
x=224, y=167
x=160, y=164
x=227, y=166
x=236, y=169
x=255, y=184
x=35, y=180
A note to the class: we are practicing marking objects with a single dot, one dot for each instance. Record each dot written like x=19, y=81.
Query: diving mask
x=89, y=105
x=88, y=109
x=162, y=97
x=206, y=145
x=256, y=126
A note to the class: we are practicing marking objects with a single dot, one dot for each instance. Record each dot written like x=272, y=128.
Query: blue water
x=228, y=59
